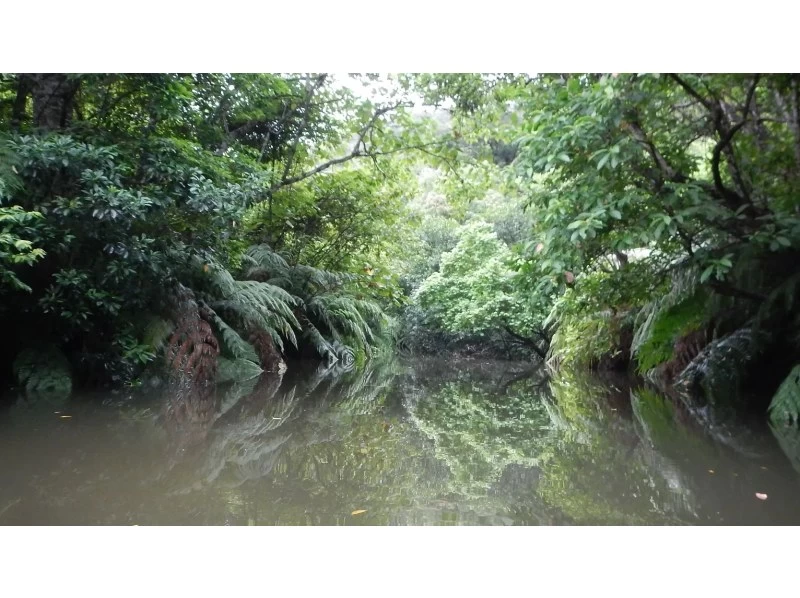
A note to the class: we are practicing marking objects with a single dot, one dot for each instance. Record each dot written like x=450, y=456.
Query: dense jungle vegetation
x=206, y=227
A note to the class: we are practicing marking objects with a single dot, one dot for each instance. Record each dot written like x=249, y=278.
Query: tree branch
x=691, y=91
x=726, y=137
x=667, y=171
x=530, y=342
x=310, y=91
x=359, y=150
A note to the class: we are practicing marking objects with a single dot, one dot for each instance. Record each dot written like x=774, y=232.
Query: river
x=426, y=442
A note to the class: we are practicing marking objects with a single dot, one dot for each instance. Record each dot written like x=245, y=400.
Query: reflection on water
x=398, y=443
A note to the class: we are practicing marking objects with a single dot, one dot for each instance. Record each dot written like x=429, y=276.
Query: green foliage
x=584, y=341
x=301, y=214
x=332, y=307
x=664, y=326
x=14, y=250
x=592, y=319
x=437, y=235
x=132, y=184
x=478, y=435
x=15, y=222
x=259, y=305
x=475, y=288
x=670, y=171
x=336, y=221
x=10, y=181
x=655, y=328
x=233, y=344
x=43, y=371
x=622, y=479
x=155, y=332
x=785, y=405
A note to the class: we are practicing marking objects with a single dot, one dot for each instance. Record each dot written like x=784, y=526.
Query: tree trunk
x=53, y=96
x=20, y=101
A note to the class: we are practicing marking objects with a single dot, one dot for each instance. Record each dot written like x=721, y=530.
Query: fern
x=785, y=405
x=326, y=310
x=232, y=342
x=260, y=305
x=314, y=337
x=277, y=302
x=44, y=371
x=262, y=260
x=300, y=279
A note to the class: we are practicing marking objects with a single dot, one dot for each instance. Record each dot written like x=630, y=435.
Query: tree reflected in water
x=397, y=443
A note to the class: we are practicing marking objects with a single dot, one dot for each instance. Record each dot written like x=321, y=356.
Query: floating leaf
x=358, y=512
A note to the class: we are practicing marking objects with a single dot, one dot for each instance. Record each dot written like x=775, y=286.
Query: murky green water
x=433, y=442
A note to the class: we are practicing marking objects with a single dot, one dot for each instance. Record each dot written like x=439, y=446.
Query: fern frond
x=261, y=305
x=785, y=405
x=232, y=341
x=281, y=298
x=262, y=257
x=343, y=312
x=319, y=342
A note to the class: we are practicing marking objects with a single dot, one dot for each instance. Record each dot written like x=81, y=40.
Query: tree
x=475, y=289
x=144, y=182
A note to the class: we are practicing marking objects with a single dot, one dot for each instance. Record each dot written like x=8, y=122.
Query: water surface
x=439, y=442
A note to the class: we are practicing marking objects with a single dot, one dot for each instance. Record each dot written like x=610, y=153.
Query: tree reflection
x=399, y=443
